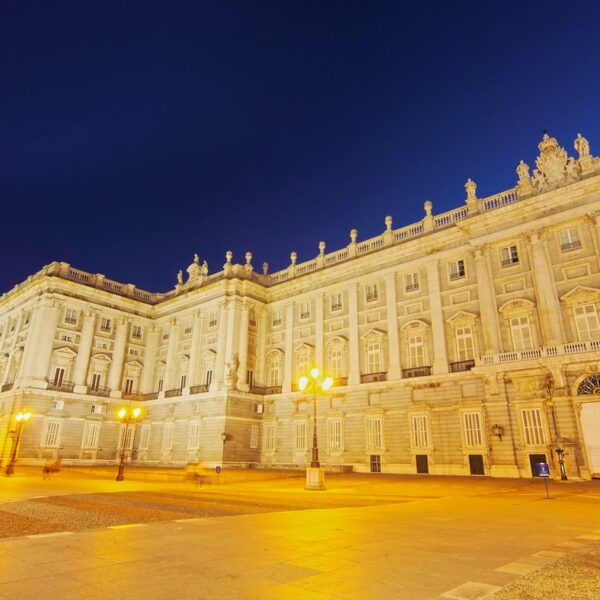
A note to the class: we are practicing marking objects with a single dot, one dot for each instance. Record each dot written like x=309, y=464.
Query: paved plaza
x=248, y=536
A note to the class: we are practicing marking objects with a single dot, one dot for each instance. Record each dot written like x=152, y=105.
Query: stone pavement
x=466, y=544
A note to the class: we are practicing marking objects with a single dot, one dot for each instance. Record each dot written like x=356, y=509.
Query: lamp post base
x=315, y=478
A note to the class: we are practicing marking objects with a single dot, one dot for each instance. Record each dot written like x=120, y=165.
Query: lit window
x=586, y=320
x=335, y=433
x=569, y=240
x=71, y=316
x=336, y=301
x=254, y=436
x=532, y=426
x=274, y=369
x=336, y=360
x=457, y=269
x=412, y=282
x=51, y=437
x=371, y=292
x=420, y=432
x=510, y=256
x=373, y=357
x=269, y=438
x=472, y=421
x=300, y=436
x=91, y=435
x=416, y=351
x=464, y=343
x=374, y=435
x=521, y=333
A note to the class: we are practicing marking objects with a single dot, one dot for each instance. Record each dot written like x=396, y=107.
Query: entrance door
x=375, y=463
x=590, y=425
x=422, y=463
x=476, y=464
x=534, y=459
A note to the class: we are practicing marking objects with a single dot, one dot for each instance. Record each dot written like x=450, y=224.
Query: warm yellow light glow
x=303, y=382
x=314, y=372
x=136, y=412
x=27, y=416
x=327, y=383
x=22, y=416
x=121, y=414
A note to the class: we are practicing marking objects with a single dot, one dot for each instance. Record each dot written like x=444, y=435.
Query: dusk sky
x=134, y=134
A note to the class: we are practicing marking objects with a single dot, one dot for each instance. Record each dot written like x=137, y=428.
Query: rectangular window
x=371, y=292
x=167, y=440
x=274, y=373
x=269, y=441
x=130, y=436
x=160, y=385
x=300, y=435
x=532, y=426
x=586, y=320
x=374, y=357
x=304, y=310
x=254, y=436
x=91, y=435
x=472, y=422
x=105, y=324
x=136, y=332
x=212, y=319
x=374, y=437
x=336, y=361
x=335, y=433
x=58, y=404
x=464, y=343
x=521, y=334
x=416, y=351
x=59, y=375
x=411, y=282
x=510, y=256
x=144, y=437
x=420, y=432
x=194, y=436
x=457, y=270
x=209, y=375
x=182, y=382
x=71, y=316
x=51, y=437
x=276, y=318
x=129, y=386
x=98, y=409
x=303, y=362
x=569, y=240
x=96, y=378
x=336, y=301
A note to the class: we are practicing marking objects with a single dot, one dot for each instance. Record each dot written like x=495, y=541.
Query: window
x=59, y=375
x=194, y=436
x=160, y=385
x=144, y=437
x=373, y=357
x=304, y=310
x=374, y=432
x=371, y=292
x=250, y=377
x=510, y=256
x=129, y=439
x=71, y=316
x=91, y=435
x=136, y=332
x=167, y=440
x=105, y=324
x=521, y=334
x=569, y=240
x=303, y=362
x=336, y=360
x=336, y=301
x=532, y=426
x=254, y=436
x=51, y=437
x=335, y=433
x=212, y=319
x=98, y=409
x=274, y=369
x=182, y=382
x=457, y=270
x=67, y=338
x=472, y=422
x=416, y=351
x=251, y=316
x=300, y=435
x=586, y=320
x=276, y=318
x=96, y=378
x=269, y=441
x=420, y=433
x=58, y=404
x=411, y=282
x=464, y=343
x=129, y=386
x=208, y=379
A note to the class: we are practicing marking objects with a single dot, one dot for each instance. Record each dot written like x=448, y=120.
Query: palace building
x=465, y=343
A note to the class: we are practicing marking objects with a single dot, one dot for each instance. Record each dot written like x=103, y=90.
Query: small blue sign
x=543, y=470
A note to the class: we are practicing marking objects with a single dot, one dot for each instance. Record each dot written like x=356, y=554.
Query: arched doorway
x=590, y=420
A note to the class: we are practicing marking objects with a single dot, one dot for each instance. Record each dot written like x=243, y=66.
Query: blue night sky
x=134, y=134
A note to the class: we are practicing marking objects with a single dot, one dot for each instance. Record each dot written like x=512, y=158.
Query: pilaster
x=488, y=308
x=243, y=349
x=84, y=351
x=116, y=367
x=289, y=347
x=394, y=368
x=440, y=355
x=353, y=337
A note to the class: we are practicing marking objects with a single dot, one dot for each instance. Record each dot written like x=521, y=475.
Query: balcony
x=570, y=246
x=99, y=391
x=150, y=396
x=61, y=387
x=537, y=353
x=373, y=377
x=274, y=389
x=6, y=387
x=199, y=389
x=135, y=397
x=416, y=372
x=411, y=287
x=461, y=366
x=340, y=381
x=173, y=393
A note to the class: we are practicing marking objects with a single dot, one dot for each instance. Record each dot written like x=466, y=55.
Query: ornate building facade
x=466, y=343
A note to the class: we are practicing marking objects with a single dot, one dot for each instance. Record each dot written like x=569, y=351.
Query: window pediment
x=462, y=315
x=519, y=306
x=64, y=352
x=581, y=294
x=373, y=334
x=414, y=324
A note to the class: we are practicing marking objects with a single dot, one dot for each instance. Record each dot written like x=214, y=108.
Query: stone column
x=196, y=346
x=547, y=299
x=217, y=382
x=319, y=358
x=38, y=347
x=151, y=351
x=353, y=336
x=243, y=349
x=440, y=356
x=171, y=357
x=289, y=348
x=118, y=356
x=82, y=361
x=394, y=368
x=488, y=308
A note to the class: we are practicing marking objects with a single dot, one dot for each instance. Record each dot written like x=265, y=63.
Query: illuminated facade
x=466, y=343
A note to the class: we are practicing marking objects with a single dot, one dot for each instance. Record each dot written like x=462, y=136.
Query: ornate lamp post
x=21, y=418
x=126, y=415
x=314, y=383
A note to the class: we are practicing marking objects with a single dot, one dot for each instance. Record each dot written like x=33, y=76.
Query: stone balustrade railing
x=537, y=353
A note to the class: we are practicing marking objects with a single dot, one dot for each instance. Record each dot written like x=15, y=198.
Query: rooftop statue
x=582, y=146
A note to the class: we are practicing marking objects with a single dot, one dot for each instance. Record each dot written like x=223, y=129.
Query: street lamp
x=126, y=415
x=315, y=475
x=21, y=418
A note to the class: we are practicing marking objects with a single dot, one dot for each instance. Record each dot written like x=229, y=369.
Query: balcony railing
x=416, y=372
x=537, y=353
x=6, y=387
x=99, y=391
x=273, y=389
x=461, y=366
x=340, y=381
x=61, y=387
x=199, y=389
x=173, y=393
x=570, y=246
x=372, y=377
x=151, y=396
x=136, y=397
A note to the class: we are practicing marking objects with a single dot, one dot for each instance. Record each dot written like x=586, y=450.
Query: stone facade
x=468, y=342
